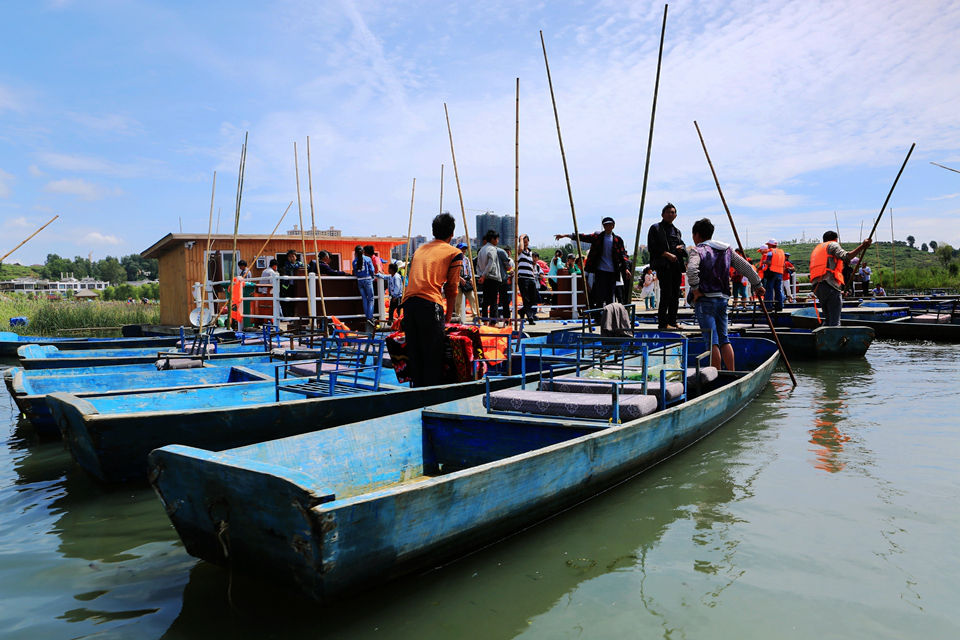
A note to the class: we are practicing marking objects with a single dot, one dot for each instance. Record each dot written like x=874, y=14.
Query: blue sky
x=114, y=115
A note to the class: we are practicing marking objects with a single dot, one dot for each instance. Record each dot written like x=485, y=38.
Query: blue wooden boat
x=30, y=392
x=822, y=343
x=50, y=357
x=10, y=342
x=336, y=511
x=898, y=328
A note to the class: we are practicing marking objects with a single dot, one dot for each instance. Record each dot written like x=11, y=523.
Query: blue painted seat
x=591, y=406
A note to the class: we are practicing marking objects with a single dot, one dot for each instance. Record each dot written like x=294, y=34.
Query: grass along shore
x=59, y=317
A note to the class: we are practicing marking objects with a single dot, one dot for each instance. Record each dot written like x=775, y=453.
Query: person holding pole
x=433, y=277
x=708, y=274
x=465, y=291
x=827, y=264
x=606, y=260
x=667, y=255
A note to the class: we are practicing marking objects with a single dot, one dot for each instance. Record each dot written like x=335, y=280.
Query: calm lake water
x=827, y=511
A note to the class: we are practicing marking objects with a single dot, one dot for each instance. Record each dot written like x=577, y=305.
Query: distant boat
x=10, y=342
x=900, y=328
x=822, y=343
x=336, y=511
x=51, y=357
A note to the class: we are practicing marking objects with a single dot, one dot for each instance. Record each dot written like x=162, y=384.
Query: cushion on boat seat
x=571, y=405
x=168, y=364
x=582, y=385
x=307, y=369
x=296, y=354
x=707, y=374
x=932, y=318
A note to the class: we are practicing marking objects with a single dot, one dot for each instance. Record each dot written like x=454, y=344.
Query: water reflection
x=831, y=410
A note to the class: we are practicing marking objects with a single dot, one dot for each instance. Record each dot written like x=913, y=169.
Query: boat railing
x=343, y=365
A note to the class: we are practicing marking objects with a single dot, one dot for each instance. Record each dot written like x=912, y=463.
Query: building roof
x=171, y=239
x=86, y=293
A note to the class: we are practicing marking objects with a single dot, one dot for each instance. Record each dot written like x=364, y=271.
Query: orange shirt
x=433, y=264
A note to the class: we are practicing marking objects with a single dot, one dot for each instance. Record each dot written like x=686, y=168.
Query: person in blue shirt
x=394, y=288
x=363, y=270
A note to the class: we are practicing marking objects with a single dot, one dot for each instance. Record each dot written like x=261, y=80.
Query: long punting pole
x=296, y=171
x=236, y=219
x=646, y=166
x=406, y=265
x=206, y=257
x=463, y=211
x=893, y=250
x=7, y=255
x=890, y=194
x=566, y=173
x=313, y=226
x=837, y=220
x=516, y=207
x=943, y=167
x=260, y=253
x=733, y=226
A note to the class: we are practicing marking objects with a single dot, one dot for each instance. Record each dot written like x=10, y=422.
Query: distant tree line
x=109, y=269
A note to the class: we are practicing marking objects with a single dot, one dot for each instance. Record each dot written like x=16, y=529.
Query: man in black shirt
x=667, y=256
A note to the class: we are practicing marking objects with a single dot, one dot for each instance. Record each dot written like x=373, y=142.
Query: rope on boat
x=224, y=537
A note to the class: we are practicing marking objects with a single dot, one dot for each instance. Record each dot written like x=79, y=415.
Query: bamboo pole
x=733, y=226
x=890, y=194
x=236, y=219
x=837, y=220
x=296, y=170
x=7, y=255
x=566, y=173
x=516, y=212
x=646, y=166
x=313, y=227
x=943, y=167
x=260, y=253
x=206, y=256
x=893, y=250
x=406, y=265
x=463, y=211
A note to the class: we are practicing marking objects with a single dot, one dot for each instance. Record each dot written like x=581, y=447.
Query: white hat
x=772, y=242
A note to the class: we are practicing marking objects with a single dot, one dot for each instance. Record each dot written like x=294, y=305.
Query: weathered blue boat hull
x=48, y=357
x=30, y=392
x=823, y=343
x=114, y=446
x=10, y=342
x=336, y=511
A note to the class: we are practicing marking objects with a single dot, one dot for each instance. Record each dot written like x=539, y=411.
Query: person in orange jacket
x=772, y=262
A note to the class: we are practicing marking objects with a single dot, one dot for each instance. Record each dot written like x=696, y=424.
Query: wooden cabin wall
x=180, y=267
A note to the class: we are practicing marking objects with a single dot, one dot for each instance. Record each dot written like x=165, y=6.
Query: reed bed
x=59, y=317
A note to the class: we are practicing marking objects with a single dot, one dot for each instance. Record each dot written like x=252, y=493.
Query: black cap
x=608, y=220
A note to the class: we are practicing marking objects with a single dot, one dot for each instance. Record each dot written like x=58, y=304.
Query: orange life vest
x=236, y=300
x=776, y=261
x=822, y=263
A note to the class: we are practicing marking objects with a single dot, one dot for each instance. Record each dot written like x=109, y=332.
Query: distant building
x=504, y=225
x=400, y=251
x=321, y=233
x=66, y=283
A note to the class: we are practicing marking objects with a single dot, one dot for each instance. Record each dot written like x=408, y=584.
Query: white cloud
x=17, y=223
x=6, y=180
x=36, y=171
x=946, y=197
x=82, y=188
x=97, y=238
x=108, y=123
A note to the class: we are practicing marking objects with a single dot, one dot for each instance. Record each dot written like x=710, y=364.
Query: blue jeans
x=773, y=283
x=366, y=292
x=712, y=316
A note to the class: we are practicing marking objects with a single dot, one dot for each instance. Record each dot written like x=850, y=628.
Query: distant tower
x=485, y=222
x=508, y=231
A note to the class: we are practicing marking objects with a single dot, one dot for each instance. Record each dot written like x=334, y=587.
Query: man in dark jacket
x=667, y=256
x=606, y=260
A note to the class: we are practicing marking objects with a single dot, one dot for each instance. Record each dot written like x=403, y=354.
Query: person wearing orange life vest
x=772, y=262
x=826, y=274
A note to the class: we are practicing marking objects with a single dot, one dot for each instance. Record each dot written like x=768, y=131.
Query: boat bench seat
x=571, y=405
x=932, y=318
x=707, y=375
x=308, y=369
x=580, y=385
x=169, y=364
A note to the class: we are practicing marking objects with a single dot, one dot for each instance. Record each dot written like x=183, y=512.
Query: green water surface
x=827, y=511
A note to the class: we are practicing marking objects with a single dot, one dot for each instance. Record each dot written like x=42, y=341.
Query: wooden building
x=182, y=257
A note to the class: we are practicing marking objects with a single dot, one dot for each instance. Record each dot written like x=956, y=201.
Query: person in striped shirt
x=528, y=275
